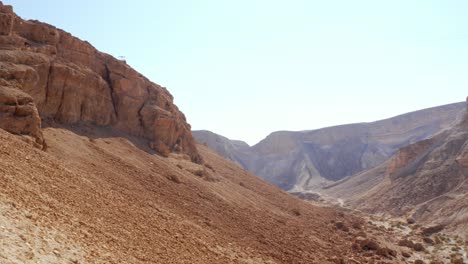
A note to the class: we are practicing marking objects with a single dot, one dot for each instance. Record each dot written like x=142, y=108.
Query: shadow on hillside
x=100, y=132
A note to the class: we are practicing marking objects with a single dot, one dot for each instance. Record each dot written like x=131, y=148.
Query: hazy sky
x=245, y=68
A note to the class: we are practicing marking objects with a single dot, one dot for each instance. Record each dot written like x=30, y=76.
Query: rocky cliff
x=52, y=73
x=307, y=160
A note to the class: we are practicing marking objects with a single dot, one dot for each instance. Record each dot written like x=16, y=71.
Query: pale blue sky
x=246, y=68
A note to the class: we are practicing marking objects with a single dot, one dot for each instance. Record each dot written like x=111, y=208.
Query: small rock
x=386, y=252
x=362, y=234
x=456, y=260
x=428, y=240
x=357, y=225
x=337, y=260
x=341, y=226
x=406, y=243
x=405, y=254
x=174, y=178
x=369, y=244
x=418, y=247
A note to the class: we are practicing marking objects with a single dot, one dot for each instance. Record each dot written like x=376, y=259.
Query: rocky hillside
x=46, y=72
x=234, y=150
x=427, y=181
x=107, y=199
x=80, y=181
x=307, y=160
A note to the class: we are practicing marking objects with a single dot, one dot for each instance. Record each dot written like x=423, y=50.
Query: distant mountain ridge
x=309, y=160
x=427, y=180
x=234, y=150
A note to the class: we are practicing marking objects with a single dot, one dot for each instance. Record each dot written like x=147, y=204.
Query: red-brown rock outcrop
x=72, y=82
x=18, y=115
x=407, y=155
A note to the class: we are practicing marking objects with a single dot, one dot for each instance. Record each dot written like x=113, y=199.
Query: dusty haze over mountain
x=308, y=160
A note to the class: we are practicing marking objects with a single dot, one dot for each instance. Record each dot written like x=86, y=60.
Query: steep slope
x=427, y=180
x=110, y=201
x=72, y=83
x=308, y=160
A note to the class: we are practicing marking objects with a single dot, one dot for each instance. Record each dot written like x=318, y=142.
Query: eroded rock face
x=72, y=82
x=18, y=115
x=407, y=155
x=427, y=181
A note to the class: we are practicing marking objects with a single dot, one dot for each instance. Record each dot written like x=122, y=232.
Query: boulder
x=19, y=115
x=427, y=231
x=368, y=244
